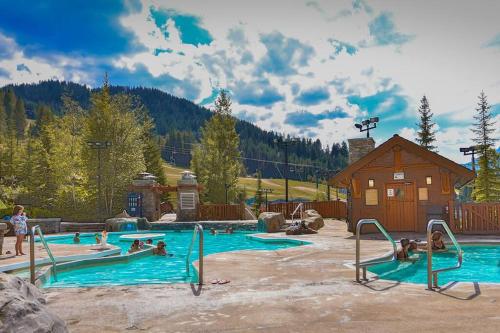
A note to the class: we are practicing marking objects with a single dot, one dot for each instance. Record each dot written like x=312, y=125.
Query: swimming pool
x=156, y=269
x=481, y=263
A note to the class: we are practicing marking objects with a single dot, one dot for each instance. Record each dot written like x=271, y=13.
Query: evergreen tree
x=425, y=135
x=44, y=115
x=10, y=102
x=216, y=160
x=3, y=116
x=117, y=120
x=258, y=194
x=20, y=119
x=487, y=182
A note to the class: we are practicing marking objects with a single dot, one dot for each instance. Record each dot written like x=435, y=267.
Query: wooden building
x=400, y=184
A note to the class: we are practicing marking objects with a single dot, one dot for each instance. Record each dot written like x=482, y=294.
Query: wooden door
x=400, y=205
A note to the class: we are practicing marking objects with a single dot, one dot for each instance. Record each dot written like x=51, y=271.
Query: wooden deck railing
x=331, y=209
x=221, y=212
x=475, y=218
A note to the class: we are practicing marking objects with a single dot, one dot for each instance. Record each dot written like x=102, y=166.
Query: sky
x=304, y=68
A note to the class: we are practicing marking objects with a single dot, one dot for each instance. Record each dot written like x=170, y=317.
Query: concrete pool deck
x=302, y=289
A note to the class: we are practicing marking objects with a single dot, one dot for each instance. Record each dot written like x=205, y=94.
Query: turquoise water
x=480, y=264
x=157, y=269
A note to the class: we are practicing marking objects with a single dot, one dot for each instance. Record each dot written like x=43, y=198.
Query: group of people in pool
x=160, y=249
x=408, y=246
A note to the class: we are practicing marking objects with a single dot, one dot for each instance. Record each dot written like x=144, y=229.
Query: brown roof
x=344, y=176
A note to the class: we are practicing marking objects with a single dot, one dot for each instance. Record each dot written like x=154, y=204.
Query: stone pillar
x=147, y=185
x=358, y=148
x=188, y=198
x=3, y=230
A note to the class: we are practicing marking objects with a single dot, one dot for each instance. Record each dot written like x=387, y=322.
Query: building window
x=371, y=197
x=428, y=180
x=371, y=183
x=423, y=194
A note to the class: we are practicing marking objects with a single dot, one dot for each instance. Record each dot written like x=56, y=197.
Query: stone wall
x=359, y=148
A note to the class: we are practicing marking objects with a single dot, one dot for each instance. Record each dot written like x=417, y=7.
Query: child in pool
x=213, y=231
x=149, y=241
x=134, y=247
x=76, y=239
x=437, y=241
x=19, y=221
x=97, y=239
x=403, y=252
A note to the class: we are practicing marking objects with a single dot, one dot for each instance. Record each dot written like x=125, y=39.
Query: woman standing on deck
x=18, y=220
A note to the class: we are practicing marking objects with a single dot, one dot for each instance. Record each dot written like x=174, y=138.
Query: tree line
x=486, y=185
x=49, y=165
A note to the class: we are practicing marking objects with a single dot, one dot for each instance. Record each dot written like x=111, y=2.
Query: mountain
x=178, y=121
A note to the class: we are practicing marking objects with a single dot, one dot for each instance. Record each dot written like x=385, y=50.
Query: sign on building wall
x=399, y=175
x=390, y=192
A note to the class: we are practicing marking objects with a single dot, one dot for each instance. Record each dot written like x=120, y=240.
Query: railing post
x=200, y=257
x=429, y=257
x=32, y=258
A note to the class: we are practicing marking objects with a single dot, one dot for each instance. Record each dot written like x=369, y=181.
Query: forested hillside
x=178, y=122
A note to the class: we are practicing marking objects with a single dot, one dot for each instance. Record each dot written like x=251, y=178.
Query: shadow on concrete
x=446, y=291
x=380, y=286
x=196, y=289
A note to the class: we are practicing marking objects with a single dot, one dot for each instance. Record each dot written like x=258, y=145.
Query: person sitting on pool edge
x=134, y=247
x=160, y=249
x=76, y=239
x=403, y=252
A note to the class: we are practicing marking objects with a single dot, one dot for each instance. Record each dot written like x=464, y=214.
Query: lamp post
x=266, y=191
x=99, y=145
x=366, y=123
x=285, y=144
x=471, y=151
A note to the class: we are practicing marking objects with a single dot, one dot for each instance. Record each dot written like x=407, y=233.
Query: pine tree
x=487, y=182
x=216, y=160
x=20, y=119
x=258, y=194
x=44, y=115
x=3, y=116
x=426, y=136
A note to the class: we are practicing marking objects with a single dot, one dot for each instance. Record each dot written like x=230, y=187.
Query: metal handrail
x=300, y=207
x=198, y=229
x=364, y=265
x=432, y=275
x=32, y=253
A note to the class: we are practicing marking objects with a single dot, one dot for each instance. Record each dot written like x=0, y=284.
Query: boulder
x=123, y=214
x=299, y=228
x=23, y=309
x=270, y=222
x=313, y=220
x=121, y=224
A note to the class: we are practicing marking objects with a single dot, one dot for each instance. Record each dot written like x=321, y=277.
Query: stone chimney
x=359, y=148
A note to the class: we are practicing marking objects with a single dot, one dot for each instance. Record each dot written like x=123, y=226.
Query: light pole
x=367, y=123
x=285, y=144
x=266, y=191
x=470, y=151
x=99, y=145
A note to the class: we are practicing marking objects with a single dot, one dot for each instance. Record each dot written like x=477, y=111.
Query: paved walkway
x=304, y=289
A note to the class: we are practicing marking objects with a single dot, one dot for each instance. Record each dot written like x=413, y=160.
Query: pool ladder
x=37, y=229
x=432, y=275
x=363, y=265
x=198, y=229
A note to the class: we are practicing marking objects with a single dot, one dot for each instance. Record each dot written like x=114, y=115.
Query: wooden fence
x=475, y=218
x=221, y=212
x=332, y=209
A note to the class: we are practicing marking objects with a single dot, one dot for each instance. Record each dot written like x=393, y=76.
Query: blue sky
x=301, y=67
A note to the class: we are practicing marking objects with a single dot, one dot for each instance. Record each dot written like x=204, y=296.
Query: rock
x=299, y=228
x=270, y=222
x=22, y=308
x=121, y=224
x=123, y=214
x=313, y=220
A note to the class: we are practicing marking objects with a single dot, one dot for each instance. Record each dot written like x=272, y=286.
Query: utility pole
x=99, y=146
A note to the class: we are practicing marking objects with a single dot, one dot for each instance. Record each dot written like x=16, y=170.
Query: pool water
x=481, y=263
x=157, y=269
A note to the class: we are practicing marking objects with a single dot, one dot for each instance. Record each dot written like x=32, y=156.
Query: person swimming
x=76, y=239
x=413, y=246
x=97, y=239
x=403, y=252
x=213, y=231
x=134, y=247
x=149, y=241
x=438, y=241
x=160, y=249
x=229, y=230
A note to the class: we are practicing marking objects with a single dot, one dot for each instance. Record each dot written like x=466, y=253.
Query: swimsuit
x=20, y=225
